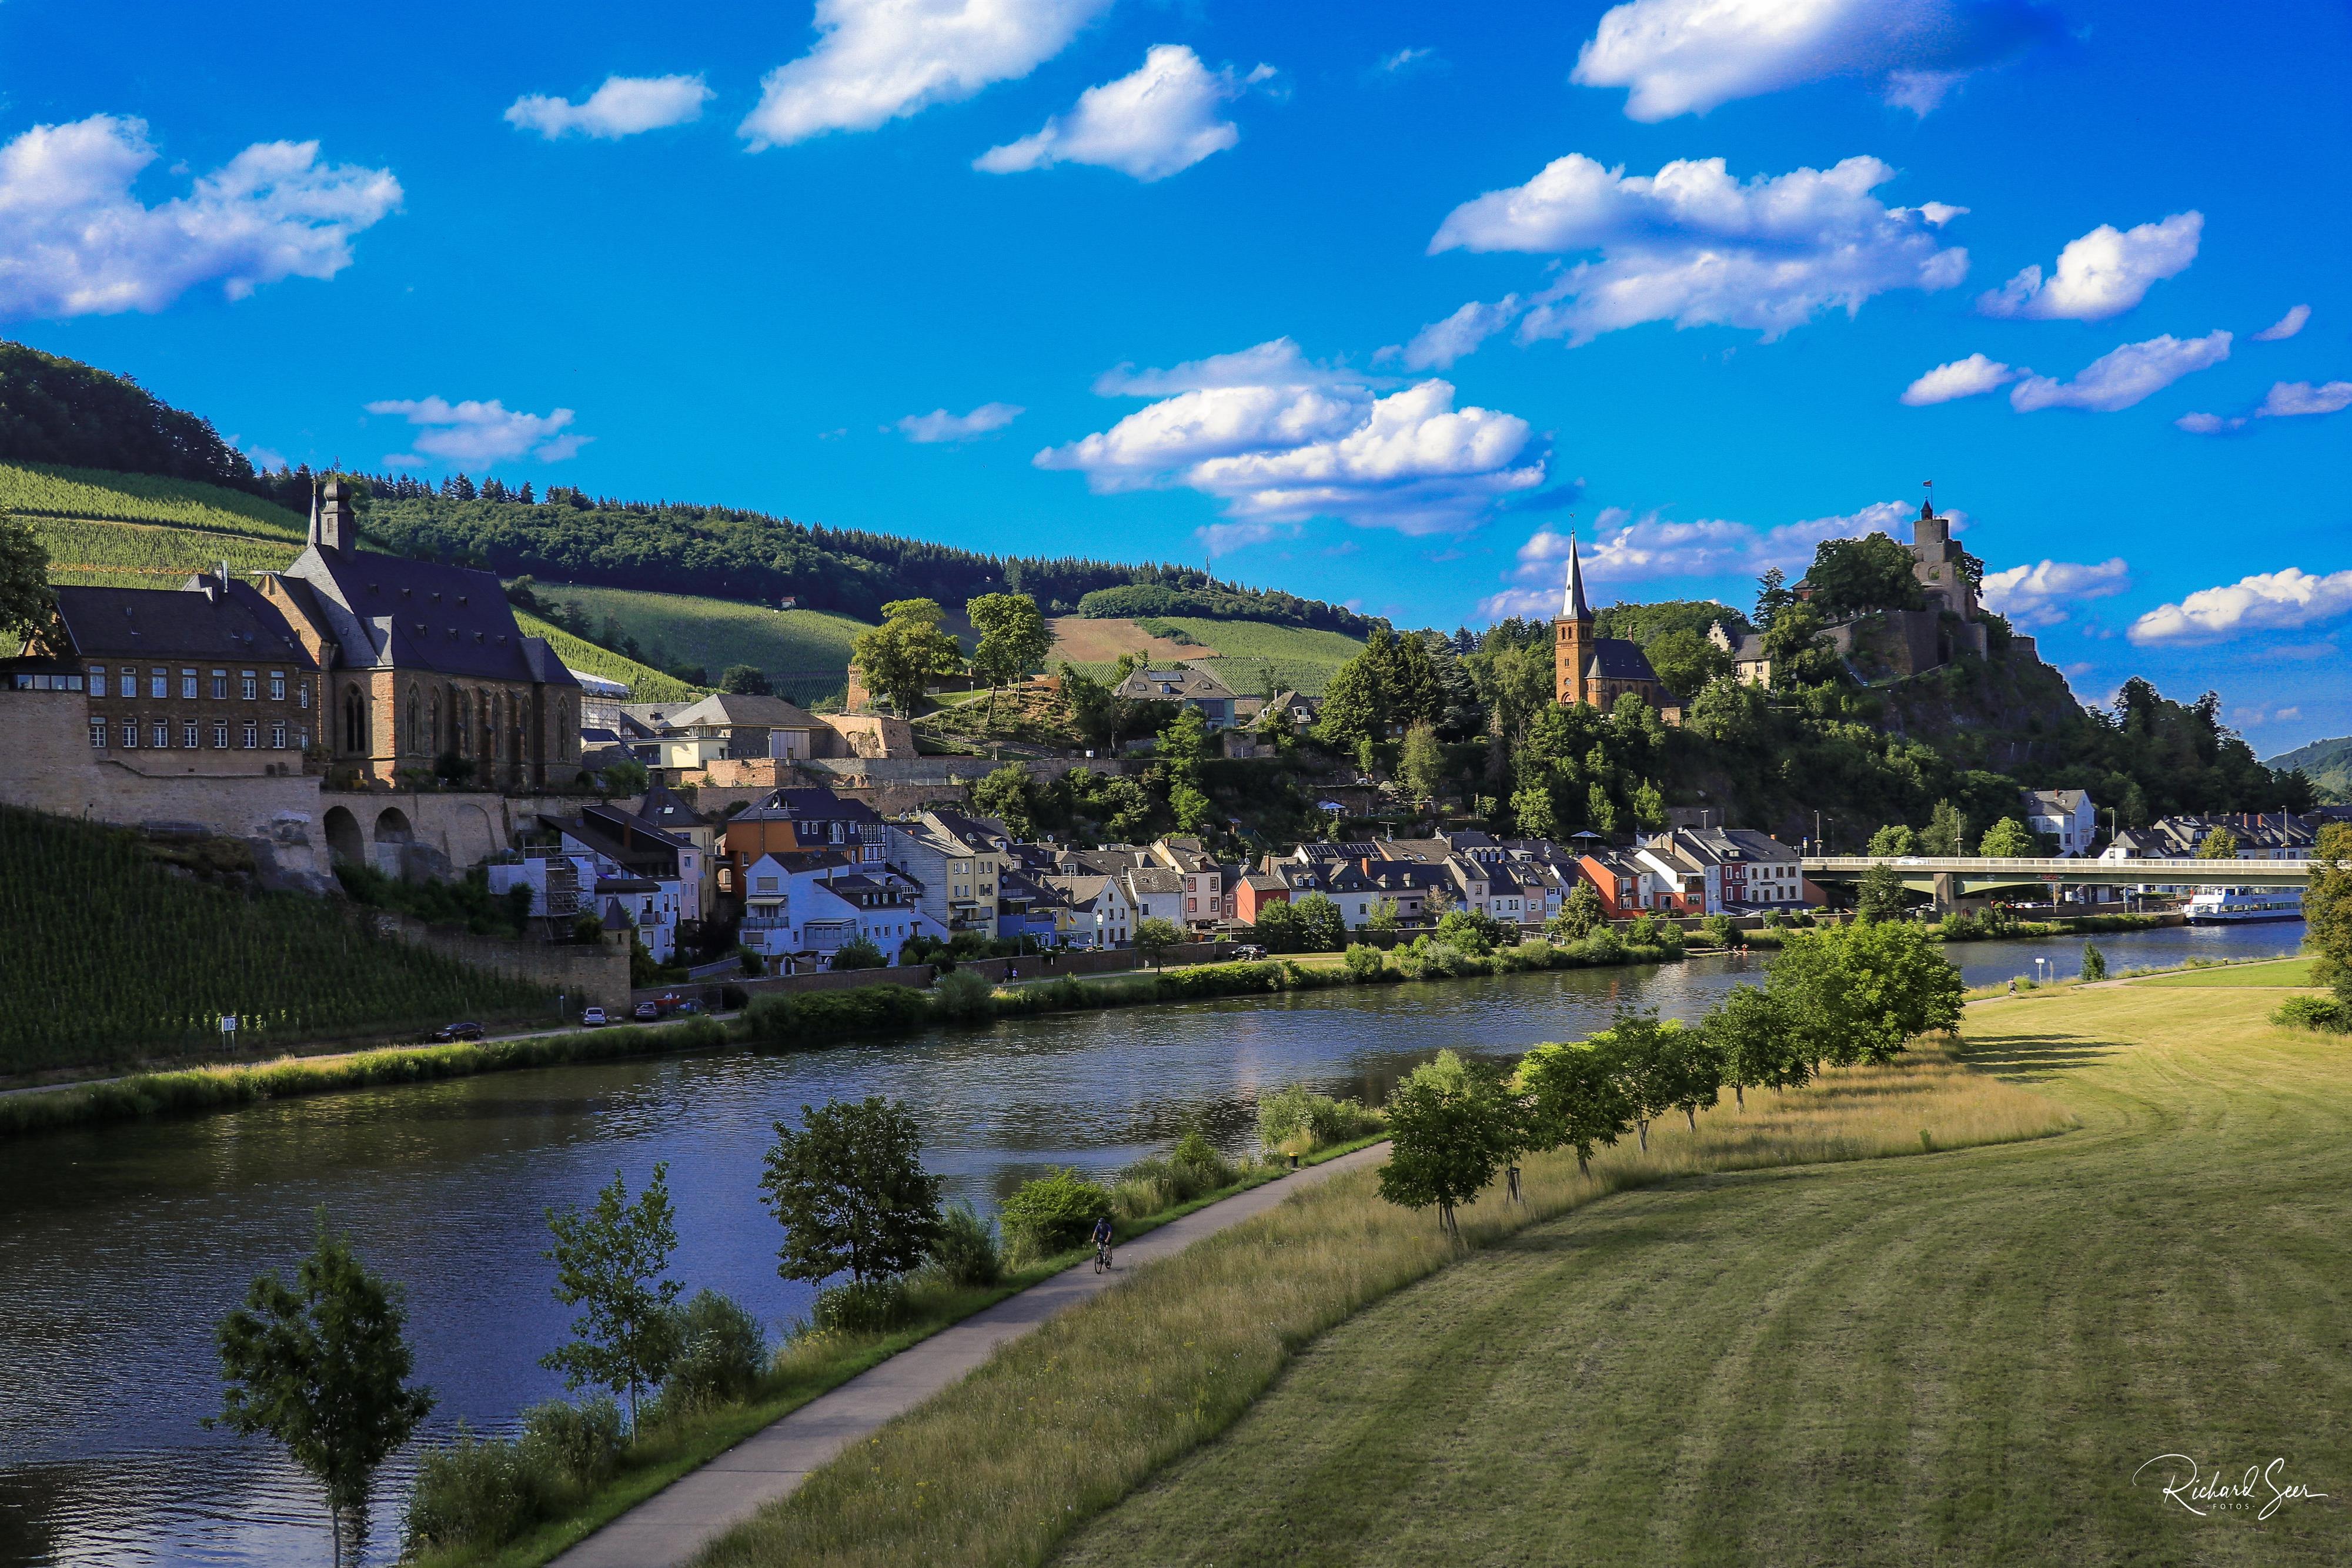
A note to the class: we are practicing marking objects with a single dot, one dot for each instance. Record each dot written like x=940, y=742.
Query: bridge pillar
x=1947, y=896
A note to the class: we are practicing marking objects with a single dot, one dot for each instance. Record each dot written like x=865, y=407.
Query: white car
x=593, y=1017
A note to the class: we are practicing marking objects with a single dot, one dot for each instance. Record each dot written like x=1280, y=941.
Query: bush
x=873, y=1307
x=475, y=1492
x=962, y=993
x=582, y=1443
x=1719, y=929
x=2324, y=1014
x=1365, y=963
x=966, y=1252
x=721, y=1349
x=1051, y=1214
x=1604, y=946
x=1298, y=1121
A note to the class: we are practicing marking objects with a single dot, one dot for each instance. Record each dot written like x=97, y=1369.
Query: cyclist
x=1102, y=1243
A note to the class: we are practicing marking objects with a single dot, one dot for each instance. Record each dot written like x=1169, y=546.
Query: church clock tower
x=1573, y=631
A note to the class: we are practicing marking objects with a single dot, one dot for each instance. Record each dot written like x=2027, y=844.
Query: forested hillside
x=2326, y=763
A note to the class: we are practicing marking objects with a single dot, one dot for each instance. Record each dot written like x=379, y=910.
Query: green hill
x=1257, y=659
x=2326, y=763
x=806, y=652
x=114, y=957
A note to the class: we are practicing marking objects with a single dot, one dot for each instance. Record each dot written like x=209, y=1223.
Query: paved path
x=670, y=1527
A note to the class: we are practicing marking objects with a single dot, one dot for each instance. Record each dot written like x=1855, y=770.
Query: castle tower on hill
x=1594, y=672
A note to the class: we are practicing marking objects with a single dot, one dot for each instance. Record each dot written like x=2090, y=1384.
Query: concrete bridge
x=1949, y=877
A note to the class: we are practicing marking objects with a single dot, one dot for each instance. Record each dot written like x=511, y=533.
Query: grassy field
x=805, y=650
x=1958, y=1359
x=2283, y=972
x=1253, y=657
x=1061, y=1425
x=1095, y=644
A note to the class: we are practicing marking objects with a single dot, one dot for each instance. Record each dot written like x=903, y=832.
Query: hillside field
x=2327, y=764
x=1255, y=658
x=805, y=651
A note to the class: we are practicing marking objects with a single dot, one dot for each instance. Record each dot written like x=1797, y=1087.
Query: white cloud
x=2040, y=595
x=267, y=459
x=1158, y=121
x=2266, y=601
x=880, y=60
x=1960, y=378
x=2207, y=424
x=1279, y=440
x=2290, y=398
x=1406, y=61
x=1693, y=246
x=2103, y=274
x=1621, y=547
x=623, y=106
x=924, y=429
x=472, y=434
x=2123, y=377
x=74, y=241
x=1437, y=346
x=1686, y=56
x=2286, y=326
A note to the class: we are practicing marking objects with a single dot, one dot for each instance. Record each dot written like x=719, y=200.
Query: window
x=278, y=685
x=302, y=739
x=97, y=733
x=220, y=734
x=252, y=735
x=97, y=679
x=158, y=683
x=277, y=736
x=301, y=694
x=130, y=732
x=248, y=687
x=220, y=685
x=187, y=685
x=188, y=735
x=160, y=734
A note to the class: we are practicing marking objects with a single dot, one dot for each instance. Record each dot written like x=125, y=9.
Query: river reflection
x=121, y=1246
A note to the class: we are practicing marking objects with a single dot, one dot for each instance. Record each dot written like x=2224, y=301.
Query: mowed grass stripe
x=1959, y=1358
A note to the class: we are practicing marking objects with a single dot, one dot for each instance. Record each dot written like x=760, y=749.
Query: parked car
x=1249, y=951
x=593, y=1017
x=451, y=1032
x=647, y=1013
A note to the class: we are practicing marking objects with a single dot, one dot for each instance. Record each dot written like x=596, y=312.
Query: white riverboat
x=2243, y=905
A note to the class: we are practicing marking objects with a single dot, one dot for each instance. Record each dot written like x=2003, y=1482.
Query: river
x=121, y=1245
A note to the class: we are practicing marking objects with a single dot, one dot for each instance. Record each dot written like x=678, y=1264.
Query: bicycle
x=1102, y=1258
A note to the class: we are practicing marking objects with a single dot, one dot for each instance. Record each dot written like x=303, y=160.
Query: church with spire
x=1594, y=672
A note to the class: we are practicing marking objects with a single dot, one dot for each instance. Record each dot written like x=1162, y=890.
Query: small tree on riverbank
x=612, y=1260
x=323, y=1368
x=1575, y=1101
x=1648, y=1073
x=850, y=1190
x=1752, y=1039
x=1154, y=935
x=2327, y=910
x=2095, y=962
x=1452, y=1126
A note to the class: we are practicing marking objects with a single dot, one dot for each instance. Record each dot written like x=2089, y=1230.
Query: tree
x=1882, y=895
x=2007, y=839
x=2095, y=962
x=1322, y=927
x=1531, y=809
x=1581, y=914
x=26, y=603
x=1010, y=795
x=2218, y=844
x=322, y=1367
x=1013, y=637
x=1752, y=1041
x=1800, y=652
x=1276, y=928
x=1894, y=840
x=901, y=657
x=1773, y=596
x=1383, y=915
x=1576, y=1101
x=1874, y=573
x=1422, y=764
x=1635, y=1048
x=1946, y=833
x=1693, y=1068
x=746, y=680
x=1154, y=935
x=850, y=1190
x=1451, y=1128
x=2327, y=910
x=612, y=1260
x=859, y=953
x=1859, y=993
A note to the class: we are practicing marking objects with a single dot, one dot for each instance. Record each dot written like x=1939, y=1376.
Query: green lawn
x=806, y=652
x=1961, y=1358
x=2283, y=972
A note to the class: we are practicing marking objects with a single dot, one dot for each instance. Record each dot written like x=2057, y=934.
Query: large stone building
x=1594, y=672
x=423, y=661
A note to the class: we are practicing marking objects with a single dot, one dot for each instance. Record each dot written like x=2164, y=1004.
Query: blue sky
x=1373, y=302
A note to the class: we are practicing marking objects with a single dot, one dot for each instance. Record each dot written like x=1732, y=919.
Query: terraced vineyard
x=805, y=651
x=39, y=490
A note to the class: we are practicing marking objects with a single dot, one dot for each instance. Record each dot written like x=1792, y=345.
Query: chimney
x=339, y=526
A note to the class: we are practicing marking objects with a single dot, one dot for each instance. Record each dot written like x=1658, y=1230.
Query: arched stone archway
x=393, y=834
x=343, y=839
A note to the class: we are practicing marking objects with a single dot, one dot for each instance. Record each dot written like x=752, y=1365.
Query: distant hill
x=2326, y=763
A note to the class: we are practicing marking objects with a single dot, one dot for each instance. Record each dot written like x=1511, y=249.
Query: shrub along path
x=673, y=1525
x=1957, y=1358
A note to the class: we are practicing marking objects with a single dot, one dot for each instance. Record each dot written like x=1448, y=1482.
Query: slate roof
x=1172, y=685
x=161, y=623
x=1616, y=659
x=385, y=609
x=730, y=710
